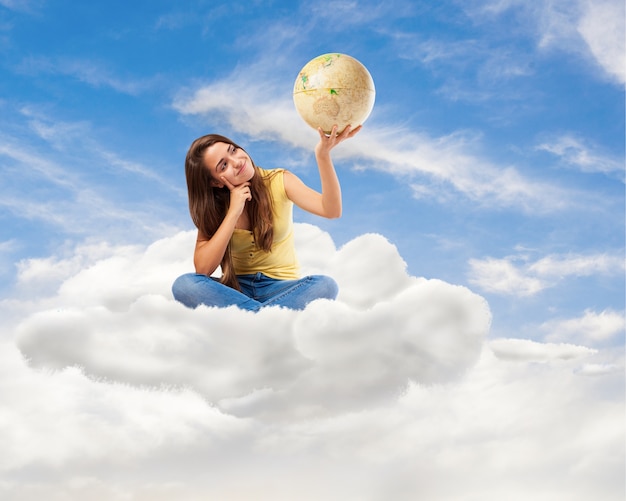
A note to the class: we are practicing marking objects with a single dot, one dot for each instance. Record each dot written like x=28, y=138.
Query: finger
x=345, y=132
x=227, y=183
x=355, y=130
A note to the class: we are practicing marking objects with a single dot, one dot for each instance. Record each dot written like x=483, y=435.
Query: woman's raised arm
x=328, y=202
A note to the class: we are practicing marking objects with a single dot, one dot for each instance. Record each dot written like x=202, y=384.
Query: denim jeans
x=258, y=290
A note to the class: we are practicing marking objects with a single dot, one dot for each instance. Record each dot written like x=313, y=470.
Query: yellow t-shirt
x=281, y=263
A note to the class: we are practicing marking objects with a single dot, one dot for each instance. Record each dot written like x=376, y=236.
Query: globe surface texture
x=334, y=89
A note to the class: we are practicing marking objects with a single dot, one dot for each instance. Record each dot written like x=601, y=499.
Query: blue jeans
x=258, y=290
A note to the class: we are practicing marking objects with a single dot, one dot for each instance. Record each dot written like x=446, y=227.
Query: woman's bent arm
x=210, y=251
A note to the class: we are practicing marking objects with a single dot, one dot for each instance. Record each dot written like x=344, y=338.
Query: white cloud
x=492, y=64
x=577, y=153
x=38, y=165
x=66, y=137
x=173, y=403
x=506, y=276
x=66, y=436
x=591, y=29
x=93, y=274
x=48, y=182
x=128, y=328
x=247, y=108
x=578, y=265
x=27, y=6
x=52, y=428
x=352, y=12
x=527, y=350
x=86, y=71
x=591, y=327
x=602, y=28
x=599, y=369
x=8, y=246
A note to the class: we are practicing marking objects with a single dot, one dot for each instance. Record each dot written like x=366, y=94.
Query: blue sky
x=501, y=132
x=493, y=158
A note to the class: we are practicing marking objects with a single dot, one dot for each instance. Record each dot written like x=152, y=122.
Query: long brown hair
x=209, y=204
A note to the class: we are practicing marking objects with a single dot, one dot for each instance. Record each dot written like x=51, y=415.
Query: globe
x=334, y=89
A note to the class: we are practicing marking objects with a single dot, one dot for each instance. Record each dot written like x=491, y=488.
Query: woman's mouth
x=241, y=169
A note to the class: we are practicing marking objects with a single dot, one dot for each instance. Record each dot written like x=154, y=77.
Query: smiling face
x=224, y=160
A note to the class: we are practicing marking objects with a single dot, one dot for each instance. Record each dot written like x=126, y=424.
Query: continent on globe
x=334, y=89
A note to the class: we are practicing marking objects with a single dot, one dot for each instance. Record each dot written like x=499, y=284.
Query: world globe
x=334, y=89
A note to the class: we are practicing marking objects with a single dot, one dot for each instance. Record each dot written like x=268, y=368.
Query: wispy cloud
x=351, y=12
x=92, y=73
x=73, y=137
x=503, y=276
x=175, y=20
x=591, y=328
x=59, y=174
x=484, y=62
x=579, y=154
x=451, y=162
x=475, y=70
x=27, y=6
x=527, y=350
x=602, y=28
x=31, y=165
x=517, y=276
x=590, y=29
x=578, y=265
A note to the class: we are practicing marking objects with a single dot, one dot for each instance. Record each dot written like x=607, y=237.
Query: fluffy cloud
x=126, y=394
x=385, y=330
x=491, y=434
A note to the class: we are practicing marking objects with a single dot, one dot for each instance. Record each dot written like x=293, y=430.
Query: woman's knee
x=183, y=288
x=326, y=286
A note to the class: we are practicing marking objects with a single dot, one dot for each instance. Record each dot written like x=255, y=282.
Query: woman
x=244, y=218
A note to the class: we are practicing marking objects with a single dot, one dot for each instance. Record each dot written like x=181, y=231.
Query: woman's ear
x=216, y=184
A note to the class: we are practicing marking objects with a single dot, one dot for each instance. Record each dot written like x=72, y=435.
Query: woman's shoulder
x=272, y=177
x=269, y=173
x=274, y=180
